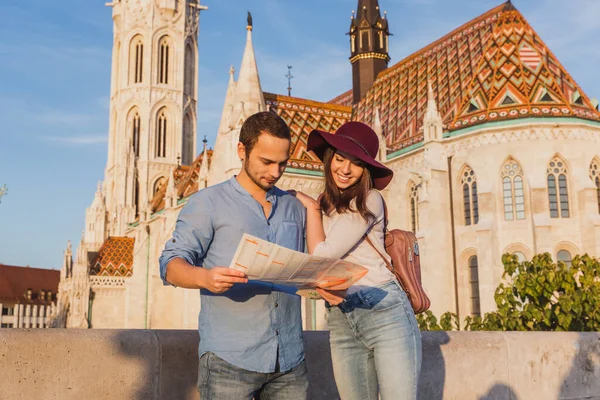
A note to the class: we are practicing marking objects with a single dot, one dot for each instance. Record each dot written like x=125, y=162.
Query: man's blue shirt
x=250, y=325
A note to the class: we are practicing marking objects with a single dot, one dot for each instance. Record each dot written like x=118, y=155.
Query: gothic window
x=136, y=56
x=188, y=140
x=470, y=202
x=564, y=256
x=558, y=191
x=160, y=182
x=190, y=68
x=163, y=60
x=364, y=40
x=414, y=211
x=353, y=43
x=595, y=177
x=161, y=134
x=135, y=133
x=474, y=286
x=512, y=189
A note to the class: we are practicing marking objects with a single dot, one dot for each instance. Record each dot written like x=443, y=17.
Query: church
x=494, y=146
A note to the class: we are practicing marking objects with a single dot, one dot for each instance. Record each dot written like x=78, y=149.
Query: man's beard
x=257, y=182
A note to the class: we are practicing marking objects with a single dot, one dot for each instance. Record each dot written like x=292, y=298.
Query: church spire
x=369, y=47
x=248, y=97
x=203, y=173
x=432, y=122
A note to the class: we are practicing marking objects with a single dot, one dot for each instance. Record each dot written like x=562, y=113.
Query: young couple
x=250, y=333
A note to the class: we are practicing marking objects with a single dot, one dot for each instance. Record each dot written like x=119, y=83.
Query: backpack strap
x=385, y=224
x=385, y=260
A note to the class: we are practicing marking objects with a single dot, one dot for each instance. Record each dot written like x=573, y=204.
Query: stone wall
x=141, y=364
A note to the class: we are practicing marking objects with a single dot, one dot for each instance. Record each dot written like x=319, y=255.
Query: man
x=250, y=334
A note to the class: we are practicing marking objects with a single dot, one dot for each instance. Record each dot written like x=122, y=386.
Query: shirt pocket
x=290, y=234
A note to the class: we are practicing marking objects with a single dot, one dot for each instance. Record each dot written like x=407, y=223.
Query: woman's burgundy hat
x=359, y=141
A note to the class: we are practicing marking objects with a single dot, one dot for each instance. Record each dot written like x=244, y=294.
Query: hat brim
x=320, y=141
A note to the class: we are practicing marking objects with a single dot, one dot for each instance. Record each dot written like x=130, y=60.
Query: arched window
x=595, y=177
x=558, y=191
x=512, y=191
x=564, y=256
x=136, y=57
x=135, y=133
x=470, y=203
x=163, y=60
x=161, y=134
x=190, y=69
x=160, y=182
x=188, y=140
x=474, y=286
x=414, y=207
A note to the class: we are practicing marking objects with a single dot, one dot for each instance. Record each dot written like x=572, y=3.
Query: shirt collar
x=271, y=197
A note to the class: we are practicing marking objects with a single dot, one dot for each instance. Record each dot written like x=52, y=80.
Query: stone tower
x=153, y=99
x=369, y=48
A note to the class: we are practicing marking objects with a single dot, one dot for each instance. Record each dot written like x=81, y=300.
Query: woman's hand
x=308, y=202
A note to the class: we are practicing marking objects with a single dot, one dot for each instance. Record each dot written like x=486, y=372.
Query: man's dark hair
x=265, y=121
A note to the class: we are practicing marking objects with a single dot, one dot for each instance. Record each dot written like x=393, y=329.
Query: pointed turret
x=203, y=174
x=67, y=269
x=228, y=106
x=432, y=122
x=369, y=46
x=378, y=128
x=248, y=97
x=98, y=202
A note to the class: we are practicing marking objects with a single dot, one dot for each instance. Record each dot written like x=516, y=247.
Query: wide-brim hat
x=359, y=141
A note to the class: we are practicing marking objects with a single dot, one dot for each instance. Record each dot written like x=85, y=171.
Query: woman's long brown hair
x=334, y=199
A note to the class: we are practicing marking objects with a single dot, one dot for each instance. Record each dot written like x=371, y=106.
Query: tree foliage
x=537, y=295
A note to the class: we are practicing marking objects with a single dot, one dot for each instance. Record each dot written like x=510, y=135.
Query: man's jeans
x=219, y=380
x=375, y=341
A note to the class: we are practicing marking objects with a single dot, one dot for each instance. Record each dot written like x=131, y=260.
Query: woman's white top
x=345, y=239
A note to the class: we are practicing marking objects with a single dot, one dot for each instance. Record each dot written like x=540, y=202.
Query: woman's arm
x=315, y=233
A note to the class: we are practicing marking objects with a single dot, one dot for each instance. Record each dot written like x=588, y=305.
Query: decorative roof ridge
x=314, y=103
x=340, y=96
x=494, y=11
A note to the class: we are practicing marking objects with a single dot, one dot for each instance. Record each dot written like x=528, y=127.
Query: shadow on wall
x=433, y=367
x=583, y=379
x=499, y=391
x=170, y=362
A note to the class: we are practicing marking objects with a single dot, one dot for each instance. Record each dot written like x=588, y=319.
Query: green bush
x=537, y=295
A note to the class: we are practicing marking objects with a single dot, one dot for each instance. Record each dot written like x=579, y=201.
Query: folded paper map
x=265, y=261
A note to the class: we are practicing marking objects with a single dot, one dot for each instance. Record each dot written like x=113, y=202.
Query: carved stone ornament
x=137, y=9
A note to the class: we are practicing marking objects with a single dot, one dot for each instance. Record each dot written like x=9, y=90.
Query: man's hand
x=221, y=279
x=333, y=297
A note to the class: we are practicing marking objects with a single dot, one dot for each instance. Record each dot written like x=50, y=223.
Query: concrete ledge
x=143, y=364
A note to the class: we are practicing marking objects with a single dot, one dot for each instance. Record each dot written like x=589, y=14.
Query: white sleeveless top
x=345, y=239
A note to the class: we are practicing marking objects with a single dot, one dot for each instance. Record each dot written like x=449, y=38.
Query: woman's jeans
x=375, y=343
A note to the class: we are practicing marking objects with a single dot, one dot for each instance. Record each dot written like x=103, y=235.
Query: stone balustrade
x=154, y=364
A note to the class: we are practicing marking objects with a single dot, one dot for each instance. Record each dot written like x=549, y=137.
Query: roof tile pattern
x=115, y=258
x=493, y=68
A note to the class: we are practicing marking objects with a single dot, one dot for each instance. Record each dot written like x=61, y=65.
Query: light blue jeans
x=375, y=344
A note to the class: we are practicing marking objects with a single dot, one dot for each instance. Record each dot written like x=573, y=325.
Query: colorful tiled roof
x=115, y=258
x=15, y=282
x=493, y=68
x=302, y=116
x=186, y=182
x=344, y=99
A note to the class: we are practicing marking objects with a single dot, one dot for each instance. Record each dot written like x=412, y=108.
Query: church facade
x=494, y=147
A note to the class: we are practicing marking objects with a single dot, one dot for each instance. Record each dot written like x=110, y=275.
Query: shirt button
x=276, y=304
x=277, y=332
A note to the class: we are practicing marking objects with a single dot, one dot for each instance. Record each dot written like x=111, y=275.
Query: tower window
x=161, y=134
x=163, y=61
x=414, y=212
x=565, y=257
x=137, y=59
x=136, y=134
x=595, y=177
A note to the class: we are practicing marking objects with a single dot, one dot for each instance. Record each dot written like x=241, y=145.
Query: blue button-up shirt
x=251, y=326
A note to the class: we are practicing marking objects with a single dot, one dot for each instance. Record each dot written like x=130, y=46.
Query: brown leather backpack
x=403, y=249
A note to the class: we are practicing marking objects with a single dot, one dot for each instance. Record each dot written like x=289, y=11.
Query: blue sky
x=55, y=80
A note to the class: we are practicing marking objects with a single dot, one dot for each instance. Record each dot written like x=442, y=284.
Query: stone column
x=27, y=316
x=34, y=316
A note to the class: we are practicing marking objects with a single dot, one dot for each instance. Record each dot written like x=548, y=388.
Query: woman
x=374, y=336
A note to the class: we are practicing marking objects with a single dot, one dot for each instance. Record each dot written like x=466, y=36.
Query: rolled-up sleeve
x=192, y=236
x=349, y=229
